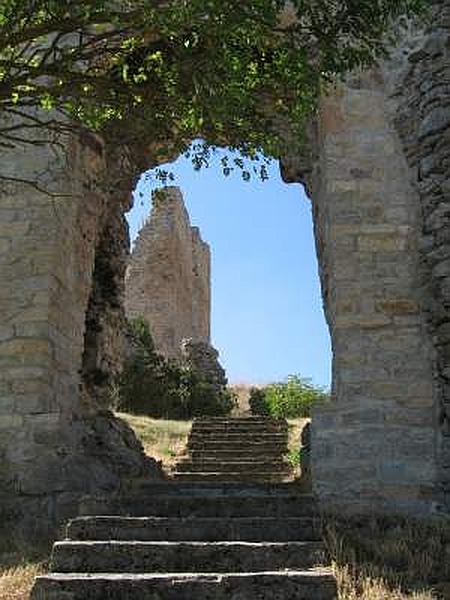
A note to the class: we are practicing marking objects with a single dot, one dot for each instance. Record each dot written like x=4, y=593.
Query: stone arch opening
x=264, y=295
x=377, y=170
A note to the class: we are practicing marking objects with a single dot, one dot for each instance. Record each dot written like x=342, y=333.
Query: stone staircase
x=247, y=449
x=212, y=539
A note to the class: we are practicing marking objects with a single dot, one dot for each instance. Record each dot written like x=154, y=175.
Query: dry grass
x=163, y=440
x=366, y=588
x=17, y=576
x=390, y=559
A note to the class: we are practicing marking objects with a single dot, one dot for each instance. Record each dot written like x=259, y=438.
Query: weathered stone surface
x=60, y=343
x=202, y=358
x=168, y=277
x=225, y=461
x=422, y=119
x=198, y=552
x=375, y=170
x=291, y=585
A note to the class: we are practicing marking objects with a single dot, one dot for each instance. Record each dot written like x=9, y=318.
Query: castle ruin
x=168, y=278
x=378, y=173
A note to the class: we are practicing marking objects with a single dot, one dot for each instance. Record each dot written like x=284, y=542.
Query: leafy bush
x=257, y=401
x=154, y=386
x=206, y=399
x=291, y=399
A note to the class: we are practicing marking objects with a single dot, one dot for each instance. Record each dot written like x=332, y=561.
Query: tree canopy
x=171, y=71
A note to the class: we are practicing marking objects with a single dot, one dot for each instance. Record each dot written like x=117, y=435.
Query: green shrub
x=257, y=401
x=206, y=399
x=154, y=386
x=291, y=399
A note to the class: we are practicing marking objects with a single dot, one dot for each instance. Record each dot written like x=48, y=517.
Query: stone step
x=239, y=436
x=232, y=476
x=183, y=557
x=241, y=529
x=214, y=466
x=317, y=584
x=229, y=455
x=204, y=489
x=239, y=427
x=256, y=429
x=243, y=419
x=219, y=505
x=245, y=447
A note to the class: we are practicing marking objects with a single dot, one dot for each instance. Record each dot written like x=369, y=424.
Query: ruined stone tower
x=168, y=278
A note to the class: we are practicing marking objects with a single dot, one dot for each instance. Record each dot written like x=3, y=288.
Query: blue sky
x=267, y=317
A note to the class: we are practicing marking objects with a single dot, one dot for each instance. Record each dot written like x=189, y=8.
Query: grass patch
x=17, y=573
x=163, y=440
x=390, y=558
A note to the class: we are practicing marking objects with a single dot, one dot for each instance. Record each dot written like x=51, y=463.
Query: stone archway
x=377, y=171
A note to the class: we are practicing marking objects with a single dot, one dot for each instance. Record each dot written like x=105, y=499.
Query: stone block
x=374, y=321
x=10, y=421
x=381, y=242
x=6, y=332
x=7, y=400
x=42, y=401
x=397, y=306
x=14, y=230
x=27, y=352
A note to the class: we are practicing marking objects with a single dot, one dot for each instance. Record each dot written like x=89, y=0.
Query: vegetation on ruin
x=154, y=386
x=165, y=72
x=162, y=439
x=290, y=399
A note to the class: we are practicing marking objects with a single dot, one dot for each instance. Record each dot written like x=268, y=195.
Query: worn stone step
x=238, y=428
x=218, y=505
x=182, y=557
x=232, y=455
x=317, y=584
x=242, y=529
x=214, y=466
x=256, y=428
x=243, y=419
x=240, y=436
x=232, y=476
x=244, y=446
x=209, y=488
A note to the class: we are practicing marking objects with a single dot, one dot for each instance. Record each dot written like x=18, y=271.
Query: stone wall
x=422, y=118
x=59, y=308
x=168, y=277
x=376, y=170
